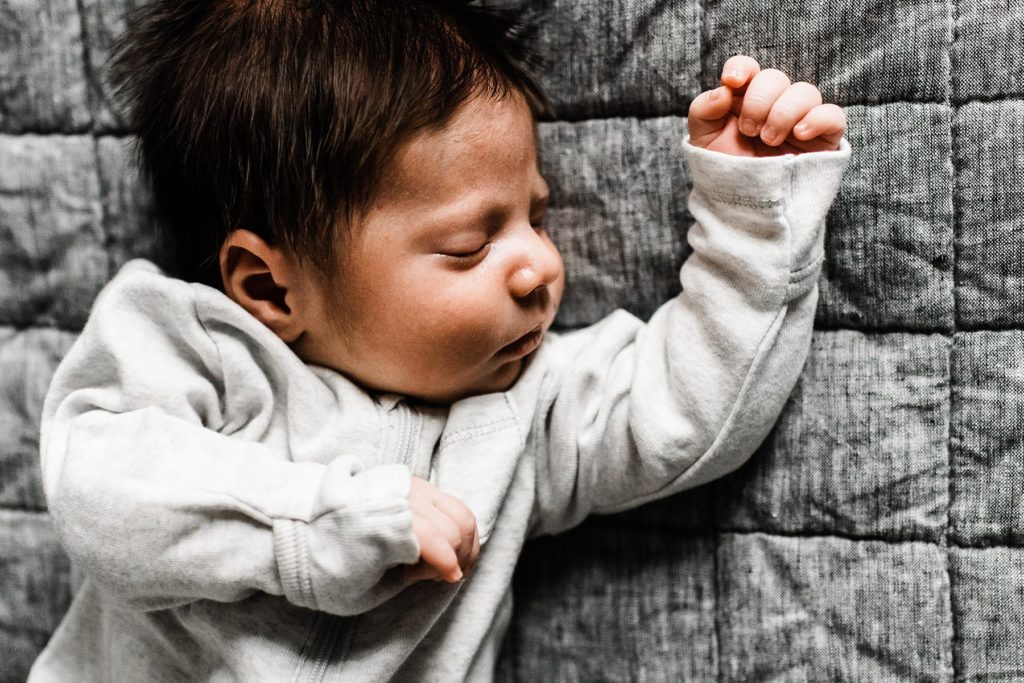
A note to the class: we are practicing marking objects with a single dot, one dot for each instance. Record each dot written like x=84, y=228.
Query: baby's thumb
x=421, y=571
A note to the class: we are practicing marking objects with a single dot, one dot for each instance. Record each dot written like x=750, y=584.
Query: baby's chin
x=502, y=379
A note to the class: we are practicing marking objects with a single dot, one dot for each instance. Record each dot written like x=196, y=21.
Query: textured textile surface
x=878, y=533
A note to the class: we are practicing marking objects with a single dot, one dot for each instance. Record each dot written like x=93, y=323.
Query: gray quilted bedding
x=876, y=535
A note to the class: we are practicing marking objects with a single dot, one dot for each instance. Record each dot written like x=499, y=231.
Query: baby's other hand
x=760, y=113
x=447, y=533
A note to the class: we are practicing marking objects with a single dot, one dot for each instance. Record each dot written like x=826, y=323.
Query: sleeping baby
x=312, y=446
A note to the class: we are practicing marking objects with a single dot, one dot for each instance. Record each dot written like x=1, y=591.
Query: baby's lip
x=524, y=345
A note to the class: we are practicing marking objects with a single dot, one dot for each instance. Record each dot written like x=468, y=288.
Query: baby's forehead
x=486, y=154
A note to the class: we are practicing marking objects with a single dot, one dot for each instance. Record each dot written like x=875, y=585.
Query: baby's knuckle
x=754, y=104
x=434, y=538
x=834, y=115
x=452, y=531
x=783, y=113
x=467, y=523
x=774, y=74
x=807, y=89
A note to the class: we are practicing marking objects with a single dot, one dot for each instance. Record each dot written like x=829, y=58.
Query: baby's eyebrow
x=486, y=214
x=453, y=221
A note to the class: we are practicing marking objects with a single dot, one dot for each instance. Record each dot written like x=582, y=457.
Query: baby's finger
x=825, y=121
x=707, y=114
x=738, y=70
x=443, y=524
x=435, y=550
x=793, y=104
x=463, y=519
x=421, y=571
x=761, y=94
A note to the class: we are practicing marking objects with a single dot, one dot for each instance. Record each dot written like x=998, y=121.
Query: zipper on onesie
x=400, y=438
x=406, y=428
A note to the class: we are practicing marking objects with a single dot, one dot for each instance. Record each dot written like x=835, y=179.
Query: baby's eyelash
x=469, y=254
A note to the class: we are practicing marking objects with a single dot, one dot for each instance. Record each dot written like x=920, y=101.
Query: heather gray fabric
x=877, y=533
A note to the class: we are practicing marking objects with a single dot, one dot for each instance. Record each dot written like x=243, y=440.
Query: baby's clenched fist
x=447, y=533
x=760, y=113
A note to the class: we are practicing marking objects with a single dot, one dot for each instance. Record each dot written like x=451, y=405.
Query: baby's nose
x=541, y=268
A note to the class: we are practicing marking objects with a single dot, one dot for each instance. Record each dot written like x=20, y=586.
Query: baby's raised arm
x=631, y=412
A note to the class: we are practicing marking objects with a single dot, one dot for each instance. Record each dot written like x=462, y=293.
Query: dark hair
x=281, y=116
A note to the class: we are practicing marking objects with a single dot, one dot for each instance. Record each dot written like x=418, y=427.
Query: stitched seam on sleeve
x=737, y=200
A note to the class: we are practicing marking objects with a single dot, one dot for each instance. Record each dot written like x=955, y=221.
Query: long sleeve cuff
x=360, y=526
x=798, y=188
x=765, y=179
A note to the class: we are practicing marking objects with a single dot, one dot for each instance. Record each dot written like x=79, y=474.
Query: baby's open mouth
x=524, y=345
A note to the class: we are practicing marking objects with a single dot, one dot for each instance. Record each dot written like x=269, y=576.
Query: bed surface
x=877, y=533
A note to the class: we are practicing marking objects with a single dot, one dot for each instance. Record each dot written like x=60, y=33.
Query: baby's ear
x=261, y=278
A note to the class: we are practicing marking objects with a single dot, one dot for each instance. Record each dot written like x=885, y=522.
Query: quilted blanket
x=877, y=532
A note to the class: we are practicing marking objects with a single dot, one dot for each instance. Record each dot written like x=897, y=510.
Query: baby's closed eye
x=465, y=252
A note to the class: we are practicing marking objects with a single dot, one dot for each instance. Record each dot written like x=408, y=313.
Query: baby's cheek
x=442, y=328
x=462, y=316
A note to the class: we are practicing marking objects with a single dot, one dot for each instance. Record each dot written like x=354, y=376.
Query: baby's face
x=450, y=283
